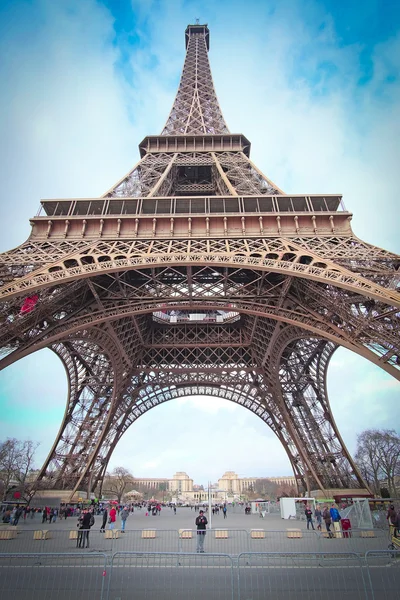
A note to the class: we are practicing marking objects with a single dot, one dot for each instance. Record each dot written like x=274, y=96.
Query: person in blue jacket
x=335, y=514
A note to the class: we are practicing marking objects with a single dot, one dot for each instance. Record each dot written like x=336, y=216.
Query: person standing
x=124, y=514
x=335, y=515
x=308, y=513
x=326, y=515
x=392, y=518
x=225, y=511
x=105, y=517
x=112, y=517
x=201, y=523
x=336, y=518
x=318, y=516
x=86, y=521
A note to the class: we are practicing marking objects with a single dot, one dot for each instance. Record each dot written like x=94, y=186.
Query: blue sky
x=314, y=85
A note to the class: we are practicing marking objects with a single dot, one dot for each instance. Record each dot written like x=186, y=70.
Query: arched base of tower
x=336, y=493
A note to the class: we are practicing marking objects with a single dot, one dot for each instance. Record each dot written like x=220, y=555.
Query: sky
x=314, y=85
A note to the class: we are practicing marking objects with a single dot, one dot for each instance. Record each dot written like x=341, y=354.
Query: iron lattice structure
x=195, y=274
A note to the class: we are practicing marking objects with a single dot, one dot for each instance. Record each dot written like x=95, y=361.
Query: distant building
x=233, y=484
x=230, y=486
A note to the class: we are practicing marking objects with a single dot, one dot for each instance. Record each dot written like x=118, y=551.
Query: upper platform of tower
x=196, y=30
x=194, y=167
x=196, y=110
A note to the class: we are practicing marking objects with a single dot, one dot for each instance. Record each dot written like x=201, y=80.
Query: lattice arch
x=196, y=228
x=150, y=397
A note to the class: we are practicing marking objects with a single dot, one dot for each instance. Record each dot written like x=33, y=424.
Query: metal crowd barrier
x=53, y=576
x=171, y=576
x=301, y=576
x=294, y=539
x=182, y=576
x=384, y=573
x=217, y=540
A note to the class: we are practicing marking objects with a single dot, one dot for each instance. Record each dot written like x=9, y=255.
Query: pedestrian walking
x=86, y=521
x=308, y=513
x=105, y=517
x=335, y=515
x=124, y=514
x=112, y=517
x=224, y=510
x=17, y=516
x=326, y=515
x=318, y=517
x=201, y=523
x=392, y=518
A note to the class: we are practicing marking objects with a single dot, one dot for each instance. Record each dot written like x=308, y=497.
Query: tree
x=117, y=481
x=16, y=467
x=163, y=487
x=378, y=458
x=265, y=488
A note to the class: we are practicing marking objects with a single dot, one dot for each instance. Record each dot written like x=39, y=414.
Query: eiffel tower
x=197, y=275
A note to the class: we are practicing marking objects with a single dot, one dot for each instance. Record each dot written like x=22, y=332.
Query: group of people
x=86, y=521
x=12, y=515
x=110, y=517
x=328, y=515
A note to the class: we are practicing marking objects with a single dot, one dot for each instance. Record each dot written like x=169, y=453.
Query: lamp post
x=209, y=504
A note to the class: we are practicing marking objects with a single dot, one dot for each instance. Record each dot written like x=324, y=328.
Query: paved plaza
x=236, y=535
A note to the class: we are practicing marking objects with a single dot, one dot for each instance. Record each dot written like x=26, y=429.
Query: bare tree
x=265, y=488
x=16, y=467
x=117, y=481
x=285, y=490
x=378, y=458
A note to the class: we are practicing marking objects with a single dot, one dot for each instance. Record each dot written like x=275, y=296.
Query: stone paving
x=238, y=539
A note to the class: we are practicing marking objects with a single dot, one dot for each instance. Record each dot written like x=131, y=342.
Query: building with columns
x=230, y=486
x=233, y=484
x=180, y=483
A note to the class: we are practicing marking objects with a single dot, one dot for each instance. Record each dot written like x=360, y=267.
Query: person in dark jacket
x=326, y=515
x=392, y=518
x=308, y=513
x=105, y=517
x=86, y=521
x=201, y=523
x=318, y=516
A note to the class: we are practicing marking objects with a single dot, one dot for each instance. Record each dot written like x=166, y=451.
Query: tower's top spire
x=196, y=110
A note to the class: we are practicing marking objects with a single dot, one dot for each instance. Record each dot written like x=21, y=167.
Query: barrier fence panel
x=171, y=576
x=53, y=576
x=147, y=540
x=225, y=541
x=292, y=540
x=355, y=540
x=384, y=573
x=302, y=576
x=217, y=540
x=363, y=540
